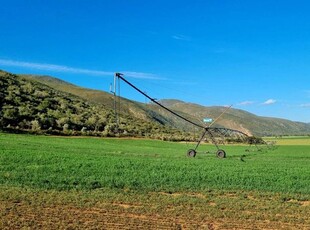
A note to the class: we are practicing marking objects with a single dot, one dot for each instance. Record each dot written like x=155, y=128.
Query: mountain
x=134, y=114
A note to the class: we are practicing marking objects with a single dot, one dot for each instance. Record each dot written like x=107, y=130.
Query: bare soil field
x=26, y=209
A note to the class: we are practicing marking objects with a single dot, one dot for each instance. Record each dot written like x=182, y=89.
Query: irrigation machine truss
x=210, y=133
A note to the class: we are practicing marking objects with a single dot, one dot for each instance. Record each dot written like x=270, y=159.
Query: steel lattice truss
x=229, y=133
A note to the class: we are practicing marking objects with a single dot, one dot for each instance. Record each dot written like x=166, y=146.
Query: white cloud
x=141, y=75
x=269, y=102
x=184, y=83
x=307, y=105
x=67, y=69
x=244, y=103
x=180, y=37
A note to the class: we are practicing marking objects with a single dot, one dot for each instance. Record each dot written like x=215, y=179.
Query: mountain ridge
x=233, y=118
x=258, y=125
x=238, y=119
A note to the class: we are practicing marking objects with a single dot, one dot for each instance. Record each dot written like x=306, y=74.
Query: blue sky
x=254, y=55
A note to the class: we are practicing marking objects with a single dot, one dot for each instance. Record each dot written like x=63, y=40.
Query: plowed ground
x=61, y=210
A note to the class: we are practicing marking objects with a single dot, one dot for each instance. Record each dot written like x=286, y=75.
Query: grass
x=147, y=165
x=290, y=140
x=104, y=183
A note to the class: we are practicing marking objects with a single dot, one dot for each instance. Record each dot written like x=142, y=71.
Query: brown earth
x=179, y=211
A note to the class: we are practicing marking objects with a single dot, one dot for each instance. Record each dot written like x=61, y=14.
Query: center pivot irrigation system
x=211, y=132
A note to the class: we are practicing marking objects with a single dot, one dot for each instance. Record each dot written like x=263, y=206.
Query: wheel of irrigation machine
x=191, y=153
x=221, y=153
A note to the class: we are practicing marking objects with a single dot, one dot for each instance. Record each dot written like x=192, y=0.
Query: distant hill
x=127, y=107
x=134, y=114
x=241, y=120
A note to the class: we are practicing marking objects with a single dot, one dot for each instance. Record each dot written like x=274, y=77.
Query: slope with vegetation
x=29, y=105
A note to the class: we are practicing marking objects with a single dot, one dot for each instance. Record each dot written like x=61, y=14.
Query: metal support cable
x=119, y=75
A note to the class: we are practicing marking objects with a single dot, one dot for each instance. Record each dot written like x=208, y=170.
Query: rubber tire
x=221, y=153
x=191, y=153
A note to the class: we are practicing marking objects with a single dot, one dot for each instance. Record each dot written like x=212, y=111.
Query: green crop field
x=146, y=178
x=290, y=140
